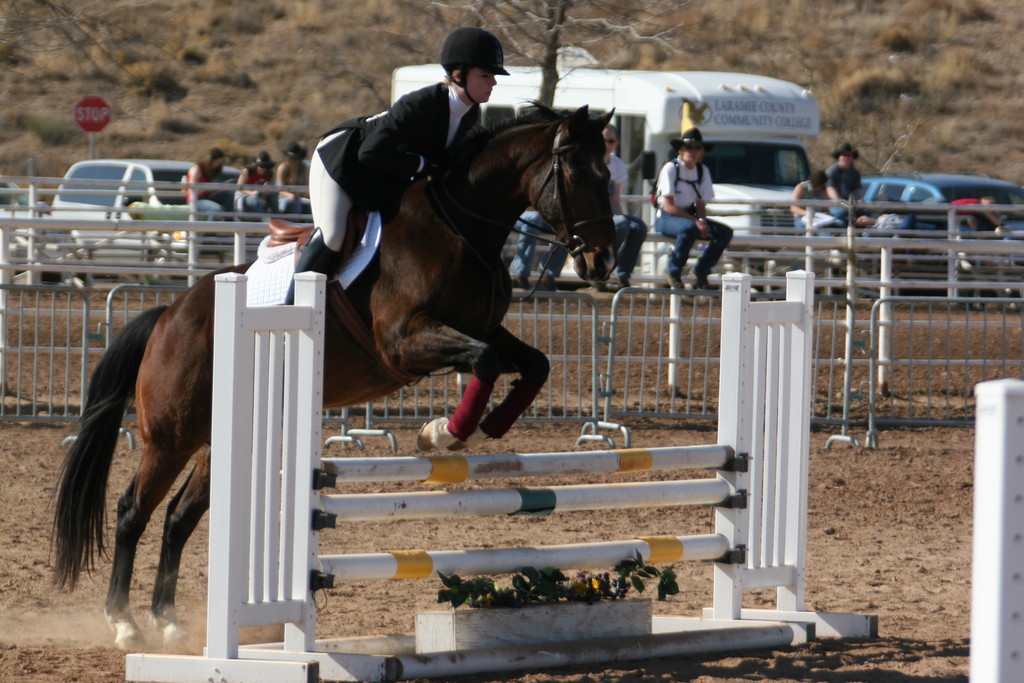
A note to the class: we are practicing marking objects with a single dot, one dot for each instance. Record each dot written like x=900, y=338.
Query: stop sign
x=92, y=113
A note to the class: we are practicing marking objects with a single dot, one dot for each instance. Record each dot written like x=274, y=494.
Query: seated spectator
x=630, y=231
x=817, y=218
x=292, y=171
x=684, y=188
x=981, y=221
x=257, y=173
x=844, y=182
x=529, y=224
x=208, y=170
x=889, y=221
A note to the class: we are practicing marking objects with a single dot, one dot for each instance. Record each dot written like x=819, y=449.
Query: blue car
x=922, y=189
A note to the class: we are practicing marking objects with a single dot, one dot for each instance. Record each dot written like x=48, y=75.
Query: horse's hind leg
x=183, y=514
x=135, y=508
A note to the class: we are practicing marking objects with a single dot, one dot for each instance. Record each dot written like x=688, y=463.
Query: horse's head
x=572, y=195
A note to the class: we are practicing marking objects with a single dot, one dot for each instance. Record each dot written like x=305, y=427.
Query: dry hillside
x=926, y=85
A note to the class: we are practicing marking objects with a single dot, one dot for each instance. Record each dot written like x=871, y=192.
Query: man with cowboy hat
x=844, y=181
x=684, y=188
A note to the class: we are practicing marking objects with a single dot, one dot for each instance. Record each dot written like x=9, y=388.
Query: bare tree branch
x=536, y=31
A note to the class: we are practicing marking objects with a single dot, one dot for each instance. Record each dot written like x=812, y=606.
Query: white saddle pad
x=271, y=274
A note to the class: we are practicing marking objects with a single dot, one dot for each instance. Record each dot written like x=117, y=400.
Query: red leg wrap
x=471, y=408
x=518, y=400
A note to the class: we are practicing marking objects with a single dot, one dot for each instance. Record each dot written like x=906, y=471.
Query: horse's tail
x=81, y=496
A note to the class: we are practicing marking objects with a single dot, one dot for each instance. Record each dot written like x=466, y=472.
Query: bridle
x=575, y=244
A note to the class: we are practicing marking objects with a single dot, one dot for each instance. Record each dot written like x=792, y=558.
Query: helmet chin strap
x=462, y=84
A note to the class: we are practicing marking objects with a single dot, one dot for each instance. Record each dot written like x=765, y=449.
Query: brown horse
x=433, y=298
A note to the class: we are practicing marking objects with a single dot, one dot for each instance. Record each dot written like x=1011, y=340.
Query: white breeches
x=329, y=202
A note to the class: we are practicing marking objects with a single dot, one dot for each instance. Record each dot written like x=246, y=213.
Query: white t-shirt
x=618, y=171
x=681, y=191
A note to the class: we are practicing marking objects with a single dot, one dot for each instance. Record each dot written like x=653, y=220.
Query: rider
x=370, y=161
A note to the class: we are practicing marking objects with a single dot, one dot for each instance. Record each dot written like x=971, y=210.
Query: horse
x=432, y=299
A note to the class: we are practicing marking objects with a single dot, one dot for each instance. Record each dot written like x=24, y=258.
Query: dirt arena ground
x=889, y=534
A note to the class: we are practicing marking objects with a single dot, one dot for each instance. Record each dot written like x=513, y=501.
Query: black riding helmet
x=466, y=47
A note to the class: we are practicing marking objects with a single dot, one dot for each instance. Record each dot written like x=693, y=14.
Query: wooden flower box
x=542, y=623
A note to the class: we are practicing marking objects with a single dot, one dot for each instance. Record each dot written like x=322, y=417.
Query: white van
x=755, y=123
x=126, y=190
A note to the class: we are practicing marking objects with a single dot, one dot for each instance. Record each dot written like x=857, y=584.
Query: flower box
x=541, y=623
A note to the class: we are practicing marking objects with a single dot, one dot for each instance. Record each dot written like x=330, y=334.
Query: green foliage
x=635, y=570
x=531, y=585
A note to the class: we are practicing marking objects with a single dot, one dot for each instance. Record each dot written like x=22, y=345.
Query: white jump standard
x=264, y=531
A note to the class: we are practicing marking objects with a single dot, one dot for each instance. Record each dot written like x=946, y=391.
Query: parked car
x=942, y=188
x=12, y=196
x=126, y=190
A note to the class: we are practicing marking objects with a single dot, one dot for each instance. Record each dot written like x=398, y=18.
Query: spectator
x=293, y=171
x=812, y=188
x=684, y=188
x=208, y=170
x=982, y=221
x=844, y=182
x=630, y=231
x=530, y=224
x=257, y=173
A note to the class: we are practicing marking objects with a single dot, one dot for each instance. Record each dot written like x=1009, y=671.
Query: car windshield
x=748, y=163
x=72, y=190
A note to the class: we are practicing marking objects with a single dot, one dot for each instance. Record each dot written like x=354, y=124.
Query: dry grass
x=896, y=39
x=190, y=74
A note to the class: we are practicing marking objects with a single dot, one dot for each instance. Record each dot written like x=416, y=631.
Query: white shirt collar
x=457, y=109
x=456, y=106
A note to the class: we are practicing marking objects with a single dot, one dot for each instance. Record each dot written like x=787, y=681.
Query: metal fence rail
x=928, y=353
x=645, y=353
x=663, y=357
x=44, y=348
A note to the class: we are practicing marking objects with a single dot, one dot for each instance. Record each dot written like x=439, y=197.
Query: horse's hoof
x=435, y=434
x=127, y=635
x=173, y=632
x=474, y=441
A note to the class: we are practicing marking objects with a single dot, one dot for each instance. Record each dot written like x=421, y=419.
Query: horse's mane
x=479, y=137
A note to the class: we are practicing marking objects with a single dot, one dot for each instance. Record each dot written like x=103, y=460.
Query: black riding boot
x=316, y=257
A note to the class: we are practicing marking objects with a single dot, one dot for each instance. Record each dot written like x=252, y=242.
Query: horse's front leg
x=499, y=352
x=427, y=344
x=533, y=368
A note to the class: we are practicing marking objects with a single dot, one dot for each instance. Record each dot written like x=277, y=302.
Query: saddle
x=284, y=232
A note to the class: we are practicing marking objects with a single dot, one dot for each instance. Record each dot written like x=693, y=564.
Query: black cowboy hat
x=690, y=135
x=294, y=151
x=845, y=148
x=263, y=160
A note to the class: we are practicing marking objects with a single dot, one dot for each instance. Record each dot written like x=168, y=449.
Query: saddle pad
x=271, y=273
